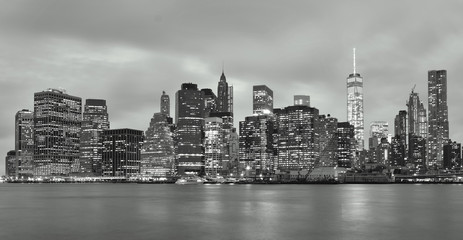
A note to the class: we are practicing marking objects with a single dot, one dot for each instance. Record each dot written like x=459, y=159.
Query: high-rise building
x=24, y=143
x=303, y=100
x=355, y=106
x=165, y=104
x=346, y=144
x=190, y=130
x=438, y=120
x=11, y=164
x=158, y=152
x=121, y=152
x=256, y=144
x=57, y=122
x=223, y=96
x=94, y=122
x=417, y=131
x=452, y=155
x=213, y=145
x=417, y=123
x=327, y=128
x=262, y=100
x=297, y=139
x=378, y=130
x=399, y=141
x=210, y=101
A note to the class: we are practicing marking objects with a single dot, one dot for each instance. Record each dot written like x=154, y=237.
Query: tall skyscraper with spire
x=222, y=94
x=165, y=104
x=355, y=106
x=438, y=119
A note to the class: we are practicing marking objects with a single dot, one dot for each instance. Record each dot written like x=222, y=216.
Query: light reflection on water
x=130, y=211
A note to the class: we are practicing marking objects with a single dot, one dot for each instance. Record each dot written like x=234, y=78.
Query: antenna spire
x=354, y=61
x=223, y=64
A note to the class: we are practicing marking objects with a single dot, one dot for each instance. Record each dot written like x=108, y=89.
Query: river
x=169, y=211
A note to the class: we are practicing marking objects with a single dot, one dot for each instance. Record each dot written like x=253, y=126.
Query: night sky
x=128, y=52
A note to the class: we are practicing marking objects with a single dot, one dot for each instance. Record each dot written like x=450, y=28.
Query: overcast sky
x=128, y=52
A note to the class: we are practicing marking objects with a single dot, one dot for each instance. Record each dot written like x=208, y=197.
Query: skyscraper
x=256, y=144
x=417, y=131
x=213, y=145
x=210, y=101
x=94, y=122
x=190, y=128
x=262, y=100
x=121, y=152
x=223, y=95
x=346, y=147
x=438, y=120
x=158, y=153
x=378, y=130
x=165, y=104
x=297, y=139
x=57, y=122
x=303, y=100
x=24, y=143
x=327, y=128
x=355, y=106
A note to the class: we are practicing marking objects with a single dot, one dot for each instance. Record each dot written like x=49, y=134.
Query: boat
x=190, y=180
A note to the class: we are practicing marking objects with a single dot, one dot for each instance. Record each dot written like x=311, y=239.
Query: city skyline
x=290, y=48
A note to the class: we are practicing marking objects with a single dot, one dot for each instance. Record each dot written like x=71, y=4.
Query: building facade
x=262, y=100
x=302, y=100
x=94, y=122
x=214, y=149
x=121, y=152
x=24, y=143
x=327, y=129
x=165, y=104
x=438, y=120
x=57, y=123
x=355, y=106
x=190, y=130
x=256, y=151
x=346, y=144
x=297, y=139
x=158, y=151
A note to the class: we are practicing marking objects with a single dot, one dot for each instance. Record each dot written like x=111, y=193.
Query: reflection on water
x=130, y=211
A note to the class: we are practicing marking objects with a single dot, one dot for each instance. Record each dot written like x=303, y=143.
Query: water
x=131, y=211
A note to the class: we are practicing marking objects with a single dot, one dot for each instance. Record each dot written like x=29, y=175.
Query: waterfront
x=168, y=211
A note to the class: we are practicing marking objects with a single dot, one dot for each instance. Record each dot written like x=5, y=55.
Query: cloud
x=128, y=52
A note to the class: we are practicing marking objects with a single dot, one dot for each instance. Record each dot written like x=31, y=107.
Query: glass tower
x=355, y=106
x=438, y=120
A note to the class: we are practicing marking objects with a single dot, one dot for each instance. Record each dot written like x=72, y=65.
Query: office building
x=94, y=122
x=417, y=131
x=262, y=100
x=256, y=151
x=452, y=155
x=190, y=130
x=165, y=104
x=24, y=143
x=327, y=129
x=378, y=130
x=121, y=152
x=224, y=95
x=158, y=151
x=297, y=142
x=210, y=101
x=302, y=100
x=438, y=120
x=346, y=144
x=11, y=164
x=355, y=106
x=57, y=123
x=214, y=146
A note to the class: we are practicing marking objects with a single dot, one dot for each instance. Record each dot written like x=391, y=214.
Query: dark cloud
x=128, y=52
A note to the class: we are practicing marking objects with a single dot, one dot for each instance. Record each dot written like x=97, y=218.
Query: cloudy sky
x=128, y=52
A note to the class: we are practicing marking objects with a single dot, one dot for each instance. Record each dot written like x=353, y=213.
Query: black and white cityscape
x=66, y=136
x=157, y=99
